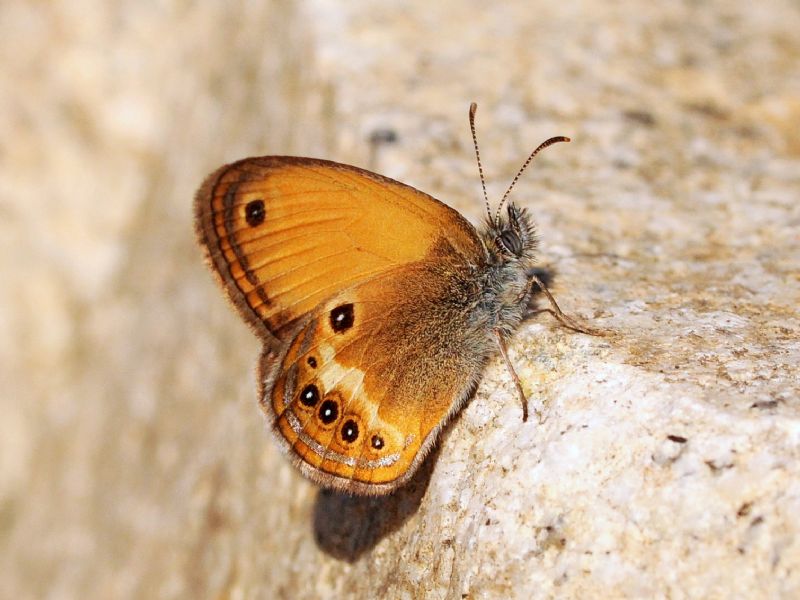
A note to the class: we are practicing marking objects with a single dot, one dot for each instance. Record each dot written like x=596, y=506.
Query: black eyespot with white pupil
x=377, y=442
x=254, y=213
x=350, y=431
x=310, y=395
x=328, y=412
x=342, y=318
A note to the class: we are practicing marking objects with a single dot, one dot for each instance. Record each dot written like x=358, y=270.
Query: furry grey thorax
x=510, y=243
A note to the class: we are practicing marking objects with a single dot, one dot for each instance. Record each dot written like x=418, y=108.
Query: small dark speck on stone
x=383, y=135
x=717, y=466
x=678, y=439
x=765, y=404
x=640, y=116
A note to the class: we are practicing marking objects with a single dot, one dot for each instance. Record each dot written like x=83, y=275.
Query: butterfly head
x=512, y=237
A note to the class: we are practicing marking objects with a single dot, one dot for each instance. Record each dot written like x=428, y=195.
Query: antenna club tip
x=472, y=108
x=566, y=139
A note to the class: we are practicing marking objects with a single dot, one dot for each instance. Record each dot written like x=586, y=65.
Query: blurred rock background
x=133, y=458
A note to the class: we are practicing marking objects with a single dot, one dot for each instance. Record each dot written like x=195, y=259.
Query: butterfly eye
x=509, y=241
x=350, y=431
x=310, y=395
x=342, y=318
x=377, y=442
x=254, y=213
x=312, y=362
x=328, y=412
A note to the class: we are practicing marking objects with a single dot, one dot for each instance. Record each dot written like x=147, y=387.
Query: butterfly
x=377, y=305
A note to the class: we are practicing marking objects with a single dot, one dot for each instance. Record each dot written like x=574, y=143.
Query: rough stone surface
x=133, y=459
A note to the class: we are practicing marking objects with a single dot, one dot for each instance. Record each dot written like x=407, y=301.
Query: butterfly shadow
x=546, y=274
x=345, y=527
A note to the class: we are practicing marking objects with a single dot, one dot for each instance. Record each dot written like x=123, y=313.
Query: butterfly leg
x=555, y=311
x=501, y=343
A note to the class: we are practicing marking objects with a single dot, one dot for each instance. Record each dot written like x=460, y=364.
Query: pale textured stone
x=133, y=458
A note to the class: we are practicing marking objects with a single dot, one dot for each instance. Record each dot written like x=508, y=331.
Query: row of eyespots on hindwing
x=327, y=411
x=328, y=407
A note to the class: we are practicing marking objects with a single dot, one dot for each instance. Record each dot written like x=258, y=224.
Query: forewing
x=284, y=234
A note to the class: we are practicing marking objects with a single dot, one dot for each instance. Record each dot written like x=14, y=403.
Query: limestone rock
x=134, y=462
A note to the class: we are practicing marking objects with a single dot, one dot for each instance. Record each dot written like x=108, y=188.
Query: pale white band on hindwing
x=361, y=463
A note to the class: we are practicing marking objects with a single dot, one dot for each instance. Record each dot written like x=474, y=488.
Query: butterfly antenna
x=472, y=108
x=542, y=146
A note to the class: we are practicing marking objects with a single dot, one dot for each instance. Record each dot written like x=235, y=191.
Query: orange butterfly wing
x=315, y=227
x=345, y=274
x=391, y=373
